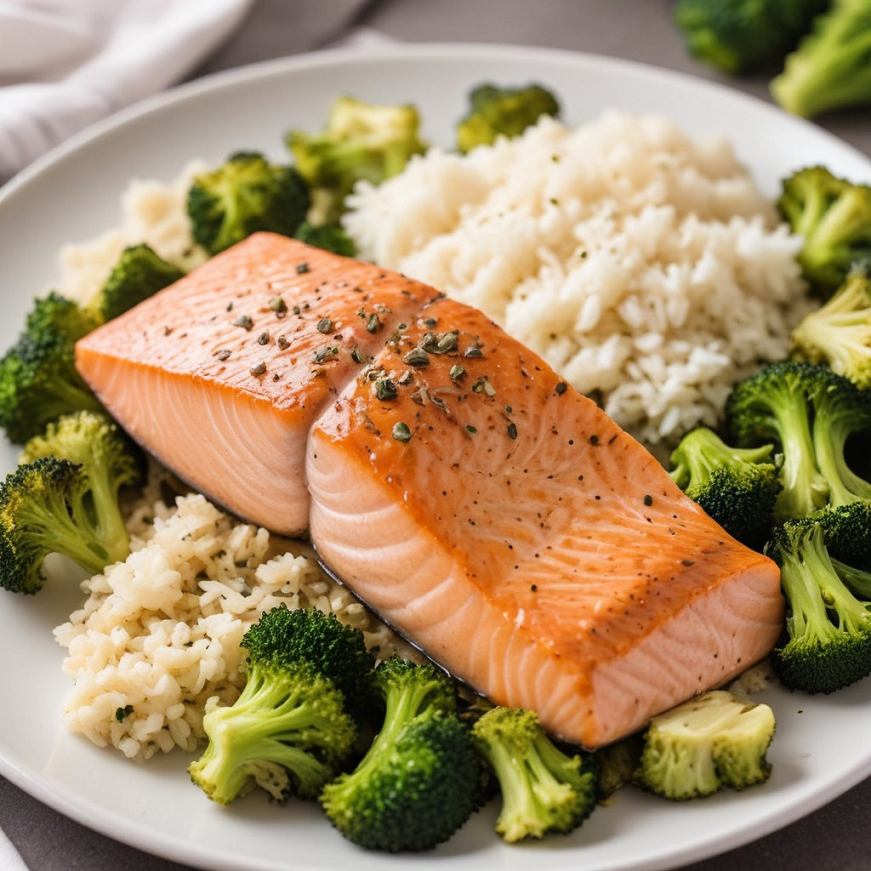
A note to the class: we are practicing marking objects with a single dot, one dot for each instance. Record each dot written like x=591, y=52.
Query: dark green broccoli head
x=544, y=790
x=284, y=636
x=43, y=510
x=244, y=195
x=810, y=413
x=411, y=793
x=288, y=732
x=829, y=69
x=838, y=333
x=330, y=237
x=496, y=111
x=833, y=215
x=139, y=273
x=742, y=36
x=38, y=377
x=713, y=741
x=827, y=641
x=361, y=141
x=738, y=487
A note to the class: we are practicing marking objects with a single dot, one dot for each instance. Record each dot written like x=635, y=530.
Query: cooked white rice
x=159, y=634
x=645, y=267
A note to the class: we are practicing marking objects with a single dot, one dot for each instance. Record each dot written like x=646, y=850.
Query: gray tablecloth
x=836, y=837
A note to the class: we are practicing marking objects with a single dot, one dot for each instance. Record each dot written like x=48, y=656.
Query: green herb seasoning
x=384, y=389
x=401, y=432
x=357, y=355
x=471, y=430
x=244, y=321
x=121, y=714
x=483, y=385
x=447, y=342
x=322, y=353
x=417, y=357
x=472, y=351
x=457, y=373
x=278, y=305
x=373, y=324
x=325, y=326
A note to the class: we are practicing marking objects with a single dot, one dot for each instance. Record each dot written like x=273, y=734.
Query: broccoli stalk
x=827, y=644
x=743, y=36
x=544, y=790
x=838, y=334
x=810, y=412
x=495, y=111
x=738, y=487
x=139, y=273
x=290, y=730
x=829, y=69
x=420, y=779
x=244, y=195
x=833, y=215
x=64, y=498
x=38, y=377
x=713, y=741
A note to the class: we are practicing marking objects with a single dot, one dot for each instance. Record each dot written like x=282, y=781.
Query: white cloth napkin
x=9, y=858
x=67, y=63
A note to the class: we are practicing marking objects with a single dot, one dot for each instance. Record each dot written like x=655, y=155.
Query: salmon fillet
x=490, y=513
x=221, y=375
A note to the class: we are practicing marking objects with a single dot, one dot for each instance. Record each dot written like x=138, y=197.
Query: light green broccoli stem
x=830, y=68
x=268, y=723
x=804, y=488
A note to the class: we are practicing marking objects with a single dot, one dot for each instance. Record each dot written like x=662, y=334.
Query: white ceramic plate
x=74, y=194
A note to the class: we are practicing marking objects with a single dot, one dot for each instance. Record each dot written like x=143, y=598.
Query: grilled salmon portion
x=505, y=524
x=492, y=514
x=222, y=375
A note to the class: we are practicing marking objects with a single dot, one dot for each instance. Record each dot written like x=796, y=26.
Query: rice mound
x=645, y=267
x=159, y=634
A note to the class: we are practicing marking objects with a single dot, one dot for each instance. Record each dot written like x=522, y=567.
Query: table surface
x=639, y=30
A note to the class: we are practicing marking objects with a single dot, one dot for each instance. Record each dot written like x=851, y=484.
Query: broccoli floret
x=829, y=69
x=838, y=334
x=139, y=273
x=833, y=215
x=64, y=498
x=290, y=730
x=742, y=36
x=544, y=790
x=361, y=141
x=495, y=111
x=736, y=486
x=712, y=741
x=330, y=237
x=810, y=412
x=244, y=195
x=38, y=377
x=827, y=641
x=420, y=779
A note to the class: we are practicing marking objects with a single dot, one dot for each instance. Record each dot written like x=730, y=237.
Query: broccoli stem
x=267, y=723
x=804, y=487
x=813, y=588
